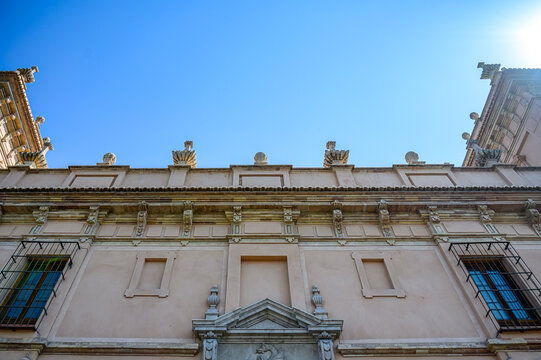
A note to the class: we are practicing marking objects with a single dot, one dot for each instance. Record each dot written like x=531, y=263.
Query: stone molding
x=141, y=258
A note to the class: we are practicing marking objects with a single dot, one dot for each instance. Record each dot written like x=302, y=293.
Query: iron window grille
x=506, y=287
x=30, y=280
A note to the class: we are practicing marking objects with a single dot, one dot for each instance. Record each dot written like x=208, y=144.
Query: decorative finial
x=317, y=299
x=36, y=159
x=466, y=136
x=213, y=300
x=186, y=156
x=109, y=159
x=412, y=158
x=333, y=156
x=483, y=157
x=28, y=74
x=260, y=158
x=488, y=70
x=474, y=116
x=40, y=120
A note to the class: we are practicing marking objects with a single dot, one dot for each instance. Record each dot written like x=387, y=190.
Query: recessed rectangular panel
x=93, y=181
x=430, y=180
x=261, y=180
x=264, y=277
x=377, y=274
x=151, y=277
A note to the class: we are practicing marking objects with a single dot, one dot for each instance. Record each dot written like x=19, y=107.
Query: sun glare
x=528, y=40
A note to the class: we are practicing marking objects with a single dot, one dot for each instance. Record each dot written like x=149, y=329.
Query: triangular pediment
x=267, y=314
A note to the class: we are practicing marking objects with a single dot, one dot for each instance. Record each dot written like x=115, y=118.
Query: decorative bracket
x=325, y=346
x=141, y=219
x=384, y=218
x=92, y=220
x=40, y=217
x=532, y=215
x=337, y=218
x=187, y=218
x=434, y=221
x=485, y=216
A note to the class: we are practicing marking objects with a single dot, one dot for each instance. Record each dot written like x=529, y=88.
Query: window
x=30, y=281
x=506, y=287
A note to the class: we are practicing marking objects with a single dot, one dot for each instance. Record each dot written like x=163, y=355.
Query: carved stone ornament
x=213, y=300
x=186, y=156
x=236, y=220
x=288, y=220
x=109, y=159
x=28, y=73
x=333, y=156
x=337, y=218
x=187, y=219
x=485, y=216
x=412, y=158
x=317, y=299
x=40, y=217
x=488, y=70
x=384, y=218
x=533, y=216
x=260, y=158
x=434, y=220
x=36, y=159
x=483, y=157
x=325, y=346
x=288, y=333
x=141, y=219
x=210, y=346
x=92, y=220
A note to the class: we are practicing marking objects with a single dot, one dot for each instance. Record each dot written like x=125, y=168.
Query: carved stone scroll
x=384, y=218
x=141, y=219
x=533, y=216
x=187, y=219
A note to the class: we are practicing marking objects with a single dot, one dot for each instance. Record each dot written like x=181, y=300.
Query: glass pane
x=508, y=295
x=42, y=295
x=488, y=295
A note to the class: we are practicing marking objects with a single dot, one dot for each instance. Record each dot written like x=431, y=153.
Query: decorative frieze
x=333, y=156
x=141, y=219
x=186, y=156
x=187, y=219
x=384, y=218
x=533, y=216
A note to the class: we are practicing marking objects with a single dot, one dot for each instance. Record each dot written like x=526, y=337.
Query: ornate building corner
x=412, y=158
x=28, y=73
x=483, y=157
x=325, y=346
x=489, y=70
x=40, y=216
x=337, y=218
x=260, y=159
x=187, y=219
x=333, y=156
x=213, y=300
x=532, y=215
x=384, y=218
x=186, y=156
x=485, y=216
x=109, y=159
x=141, y=219
x=317, y=299
x=36, y=159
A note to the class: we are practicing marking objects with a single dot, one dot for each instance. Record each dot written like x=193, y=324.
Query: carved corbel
x=92, y=220
x=213, y=300
x=384, y=218
x=485, y=216
x=210, y=346
x=236, y=221
x=325, y=346
x=533, y=216
x=337, y=218
x=434, y=220
x=40, y=217
x=187, y=219
x=1, y=210
x=141, y=219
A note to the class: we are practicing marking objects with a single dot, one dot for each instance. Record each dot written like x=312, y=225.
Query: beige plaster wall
x=116, y=357
x=100, y=310
x=201, y=178
x=431, y=309
x=312, y=178
x=143, y=177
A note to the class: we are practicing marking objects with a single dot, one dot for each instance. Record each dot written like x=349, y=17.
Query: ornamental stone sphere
x=474, y=116
x=260, y=158
x=109, y=158
x=411, y=157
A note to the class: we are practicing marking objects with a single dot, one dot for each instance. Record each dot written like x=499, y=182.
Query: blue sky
x=138, y=78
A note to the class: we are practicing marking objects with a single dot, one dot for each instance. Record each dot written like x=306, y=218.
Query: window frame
x=57, y=266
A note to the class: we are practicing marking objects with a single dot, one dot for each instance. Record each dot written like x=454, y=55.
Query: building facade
x=271, y=262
